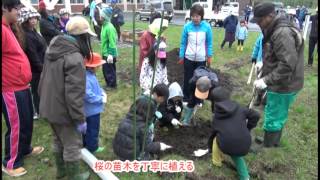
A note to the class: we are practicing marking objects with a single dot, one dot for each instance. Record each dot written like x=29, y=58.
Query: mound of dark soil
x=185, y=140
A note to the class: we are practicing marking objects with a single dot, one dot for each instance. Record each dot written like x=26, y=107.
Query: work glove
x=178, y=109
x=158, y=114
x=260, y=84
x=163, y=146
x=258, y=66
x=180, y=61
x=200, y=152
x=209, y=60
x=253, y=60
x=82, y=128
x=95, y=22
x=110, y=59
x=104, y=97
x=175, y=122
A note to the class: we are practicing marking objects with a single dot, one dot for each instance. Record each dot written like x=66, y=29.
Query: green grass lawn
x=295, y=159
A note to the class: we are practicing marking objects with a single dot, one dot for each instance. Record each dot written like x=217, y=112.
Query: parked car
x=158, y=6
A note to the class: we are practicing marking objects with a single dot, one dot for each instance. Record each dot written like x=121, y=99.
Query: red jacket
x=147, y=40
x=16, y=71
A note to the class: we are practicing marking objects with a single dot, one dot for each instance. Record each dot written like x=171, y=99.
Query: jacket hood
x=225, y=109
x=62, y=45
x=175, y=90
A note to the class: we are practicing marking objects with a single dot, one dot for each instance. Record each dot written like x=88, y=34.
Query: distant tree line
x=294, y=3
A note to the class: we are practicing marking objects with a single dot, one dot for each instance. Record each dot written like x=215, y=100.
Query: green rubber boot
x=73, y=171
x=60, y=165
x=187, y=114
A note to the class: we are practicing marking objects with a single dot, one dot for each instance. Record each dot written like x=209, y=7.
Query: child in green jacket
x=109, y=49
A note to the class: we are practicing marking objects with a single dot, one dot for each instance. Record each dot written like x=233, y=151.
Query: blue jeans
x=91, y=138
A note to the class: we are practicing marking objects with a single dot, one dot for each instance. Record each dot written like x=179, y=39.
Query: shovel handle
x=250, y=75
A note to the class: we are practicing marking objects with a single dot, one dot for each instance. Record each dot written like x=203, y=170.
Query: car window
x=205, y=5
x=156, y=5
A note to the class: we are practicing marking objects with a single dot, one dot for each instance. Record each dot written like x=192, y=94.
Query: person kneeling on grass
x=171, y=111
x=93, y=104
x=123, y=142
x=231, y=124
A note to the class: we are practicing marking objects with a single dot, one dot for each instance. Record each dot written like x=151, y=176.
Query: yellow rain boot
x=241, y=48
x=238, y=48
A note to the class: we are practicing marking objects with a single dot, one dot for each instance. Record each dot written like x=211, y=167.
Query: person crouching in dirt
x=148, y=38
x=231, y=125
x=201, y=84
x=172, y=108
x=123, y=142
x=256, y=58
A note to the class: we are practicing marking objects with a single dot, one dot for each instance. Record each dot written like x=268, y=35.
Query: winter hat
x=220, y=93
x=114, y=1
x=63, y=11
x=262, y=9
x=95, y=61
x=78, y=25
x=154, y=27
x=25, y=13
x=106, y=13
x=175, y=90
x=42, y=5
x=203, y=85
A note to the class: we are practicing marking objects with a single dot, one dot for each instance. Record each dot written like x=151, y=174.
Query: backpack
x=119, y=19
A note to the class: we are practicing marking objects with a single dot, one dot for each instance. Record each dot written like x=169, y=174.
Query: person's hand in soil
x=164, y=146
x=180, y=61
x=175, y=122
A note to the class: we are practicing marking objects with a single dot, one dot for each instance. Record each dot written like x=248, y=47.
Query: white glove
x=95, y=22
x=178, y=109
x=199, y=105
x=163, y=146
x=258, y=66
x=104, y=97
x=110, y=59
x=260, y=84
x=175, y=122
x=200, y=152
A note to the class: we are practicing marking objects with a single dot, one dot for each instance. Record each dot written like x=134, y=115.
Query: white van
x=158, y=5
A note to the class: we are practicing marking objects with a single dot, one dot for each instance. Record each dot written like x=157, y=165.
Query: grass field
x=295, y=159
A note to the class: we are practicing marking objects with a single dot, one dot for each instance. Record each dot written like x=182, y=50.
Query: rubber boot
x=277, y=141
x=271, y=139
x=241, y=48
x=187, y=114
x=60, y=165
x=238, y=48
x=73, y=171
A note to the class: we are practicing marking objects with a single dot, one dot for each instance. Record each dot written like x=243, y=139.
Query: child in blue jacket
x=195, y=46
x=256, y=58
x=93, y=104
x=241, y=35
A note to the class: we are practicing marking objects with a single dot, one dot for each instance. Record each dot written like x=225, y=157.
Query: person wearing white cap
x=62, y=91
x=149, y=37
x=35, y=47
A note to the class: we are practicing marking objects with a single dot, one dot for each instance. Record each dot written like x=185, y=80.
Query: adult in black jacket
x=48, y=29
x=231, y=127
x=35, y=48
x=230, y=26
x=117, y=18
x=123, y=142
x=313, y=37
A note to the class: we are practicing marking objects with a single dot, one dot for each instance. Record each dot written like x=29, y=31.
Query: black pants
x=246, y=17
x=117, y=27
x=18, y=113
x=240, y=42
x=312, y=44
x=34, y=89
x=97, y=29
x=189, y=67
x=110, y=73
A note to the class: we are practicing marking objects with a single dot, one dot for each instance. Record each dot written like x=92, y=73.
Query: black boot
x=277, y=142
x=257, y=101
x=271, y=139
